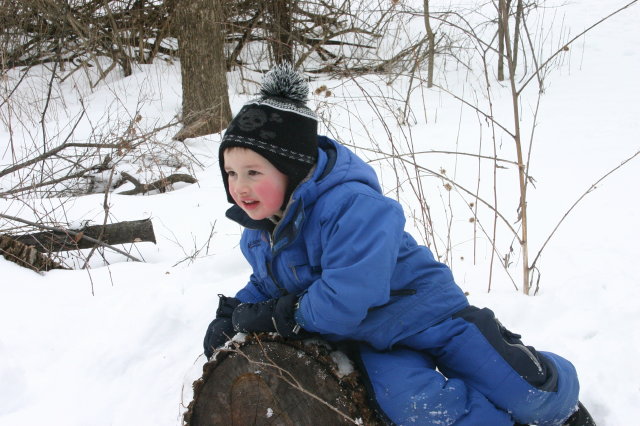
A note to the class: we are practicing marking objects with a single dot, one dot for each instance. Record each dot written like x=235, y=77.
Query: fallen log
x=115, y=233
x=267, y=380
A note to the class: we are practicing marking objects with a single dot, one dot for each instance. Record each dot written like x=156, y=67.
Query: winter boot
x=580, y=418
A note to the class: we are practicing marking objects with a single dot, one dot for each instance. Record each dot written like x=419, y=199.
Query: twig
x=46, y=154
x=46, y=107
x=565, y=46
x=105, y=206
x=41, y=184
x=22, y=77
x=196, y=251
x=457, y=185
x=125, y=143
x=478, y=110
x=588, y=191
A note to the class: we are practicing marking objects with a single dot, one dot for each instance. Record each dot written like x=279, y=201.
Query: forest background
x=506, y=129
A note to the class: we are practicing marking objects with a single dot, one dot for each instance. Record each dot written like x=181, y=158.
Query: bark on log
x=267, y=380
x=115, y=233
x=24, y=255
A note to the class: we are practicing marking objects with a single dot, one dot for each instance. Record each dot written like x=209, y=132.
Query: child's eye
x=253, y=173
x=231, y=173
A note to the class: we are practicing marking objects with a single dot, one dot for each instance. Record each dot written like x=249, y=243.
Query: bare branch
x=566, y=45
x=591, y=188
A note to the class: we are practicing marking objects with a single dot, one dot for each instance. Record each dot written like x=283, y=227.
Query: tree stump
x=267, y=380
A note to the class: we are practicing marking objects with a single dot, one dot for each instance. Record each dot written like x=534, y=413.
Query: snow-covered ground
x=121, y=344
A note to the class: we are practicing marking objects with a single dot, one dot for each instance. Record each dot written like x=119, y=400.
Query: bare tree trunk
x=281, y=30
x=431, y=39
x=205, y=97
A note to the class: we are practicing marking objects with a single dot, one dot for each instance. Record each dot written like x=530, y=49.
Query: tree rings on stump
x=267, y=380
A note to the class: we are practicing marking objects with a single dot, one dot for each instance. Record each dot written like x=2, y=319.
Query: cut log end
x=267, y=380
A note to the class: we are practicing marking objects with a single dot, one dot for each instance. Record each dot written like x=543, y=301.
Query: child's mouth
x=250, y=205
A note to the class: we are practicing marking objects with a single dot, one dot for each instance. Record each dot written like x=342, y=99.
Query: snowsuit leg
x=409, y=391
x=473, y=347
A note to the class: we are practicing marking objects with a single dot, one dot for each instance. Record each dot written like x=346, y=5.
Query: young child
x=330, y=256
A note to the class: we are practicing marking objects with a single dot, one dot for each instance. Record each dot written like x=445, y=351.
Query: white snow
x=121, y=344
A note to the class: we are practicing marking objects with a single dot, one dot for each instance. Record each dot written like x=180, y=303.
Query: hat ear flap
x=225, y=177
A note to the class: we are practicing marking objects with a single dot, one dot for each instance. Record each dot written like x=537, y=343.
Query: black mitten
x=284, y=316
x=226, y=305
x=220, y=330
x=271, y=315
x=254, y=317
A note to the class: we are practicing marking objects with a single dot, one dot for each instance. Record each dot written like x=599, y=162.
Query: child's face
x=254, y=183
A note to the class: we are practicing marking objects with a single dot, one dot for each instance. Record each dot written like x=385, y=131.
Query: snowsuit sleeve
x=360, y=239
x=251, y=293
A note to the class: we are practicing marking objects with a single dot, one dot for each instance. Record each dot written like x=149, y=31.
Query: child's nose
x=241, y=186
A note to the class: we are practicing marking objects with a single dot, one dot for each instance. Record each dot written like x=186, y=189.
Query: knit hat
x=277, y=125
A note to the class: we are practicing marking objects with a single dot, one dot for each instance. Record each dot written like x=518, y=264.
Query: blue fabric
x=341, y=245
x=411, y=392
x=525, y=360
x=461, y=351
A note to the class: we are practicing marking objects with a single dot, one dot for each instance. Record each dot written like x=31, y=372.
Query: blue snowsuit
x=341, y=244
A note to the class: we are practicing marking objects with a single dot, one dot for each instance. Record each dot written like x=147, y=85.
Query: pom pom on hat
x=282, y=81
x=277, y=125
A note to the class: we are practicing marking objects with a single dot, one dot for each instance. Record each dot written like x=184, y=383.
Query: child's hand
x=272, y=315
x=221, y=329
x=226, y=305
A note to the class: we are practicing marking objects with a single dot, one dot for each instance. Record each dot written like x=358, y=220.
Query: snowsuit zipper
x=281, y=289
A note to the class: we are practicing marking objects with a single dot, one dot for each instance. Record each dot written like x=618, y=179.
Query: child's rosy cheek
x=269, y=191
